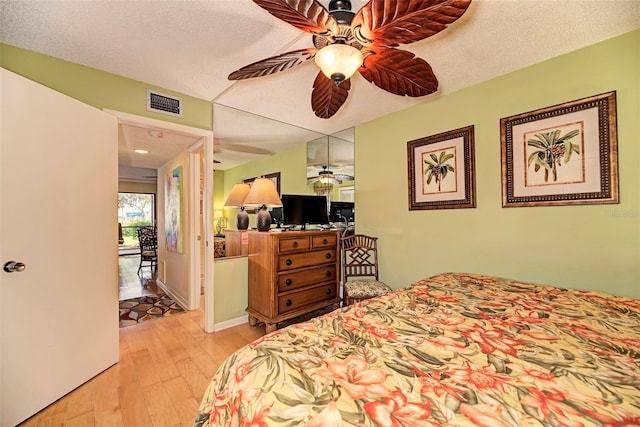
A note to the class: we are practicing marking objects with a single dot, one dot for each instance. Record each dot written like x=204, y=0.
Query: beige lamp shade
x=263, y=192
x=238, y=194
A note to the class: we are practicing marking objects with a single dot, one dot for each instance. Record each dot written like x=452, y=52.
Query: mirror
x=241, y=137
x=330, y=166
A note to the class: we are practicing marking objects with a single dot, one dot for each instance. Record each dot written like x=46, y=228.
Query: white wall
x=174, y=268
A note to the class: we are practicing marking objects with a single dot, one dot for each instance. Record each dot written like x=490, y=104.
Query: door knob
x=12, y=266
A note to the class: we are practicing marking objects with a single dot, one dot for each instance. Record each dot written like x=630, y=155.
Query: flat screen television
x=339, y=211
x=276, y=216
x=302, y=210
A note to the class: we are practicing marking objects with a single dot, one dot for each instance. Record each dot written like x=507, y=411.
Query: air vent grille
x=165, y=104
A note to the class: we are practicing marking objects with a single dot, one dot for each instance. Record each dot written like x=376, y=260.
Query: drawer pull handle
x=295, y=244
x=288, y=262
x=327, y=273
x=329, y=291
x=288, y=282
x=325, y=241
x=328, y=256
x=288, y=302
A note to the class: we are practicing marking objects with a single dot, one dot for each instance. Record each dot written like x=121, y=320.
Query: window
x=135, y=210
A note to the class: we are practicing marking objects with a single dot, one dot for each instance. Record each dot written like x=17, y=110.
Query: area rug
x=137, y=310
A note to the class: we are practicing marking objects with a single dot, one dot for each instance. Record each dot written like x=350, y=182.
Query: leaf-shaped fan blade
x=393, y=22
x=344, y=177
x=274, y=64
x=327, y=97
x=306, y=15
x=399, y=72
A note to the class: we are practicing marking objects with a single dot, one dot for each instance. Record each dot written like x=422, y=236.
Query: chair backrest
x=349, y=231
x=359, y=256
x=148, y=238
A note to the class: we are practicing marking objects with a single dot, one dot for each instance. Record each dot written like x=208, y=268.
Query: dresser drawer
x=299, y=279
x=324, y=241
x=296, y=300
x=306, y=259
x=289, y=244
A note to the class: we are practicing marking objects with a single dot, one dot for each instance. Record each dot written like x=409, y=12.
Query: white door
x=58, y=201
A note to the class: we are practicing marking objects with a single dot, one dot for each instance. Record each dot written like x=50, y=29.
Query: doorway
x=180, y=272
x=134, y=210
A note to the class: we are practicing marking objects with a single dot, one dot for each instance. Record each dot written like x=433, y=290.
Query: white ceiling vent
x=160, y=103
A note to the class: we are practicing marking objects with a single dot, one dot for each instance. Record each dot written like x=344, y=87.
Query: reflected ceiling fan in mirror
x=326, y=176
x=346, y=42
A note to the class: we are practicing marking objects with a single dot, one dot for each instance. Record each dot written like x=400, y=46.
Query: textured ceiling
x=192, y=46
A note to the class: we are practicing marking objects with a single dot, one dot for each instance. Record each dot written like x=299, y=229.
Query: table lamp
x=236, y=199
x=263, y=193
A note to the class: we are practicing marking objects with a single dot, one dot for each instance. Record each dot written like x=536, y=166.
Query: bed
x=451, y=350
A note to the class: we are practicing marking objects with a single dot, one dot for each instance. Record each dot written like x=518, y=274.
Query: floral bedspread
x=451, y=350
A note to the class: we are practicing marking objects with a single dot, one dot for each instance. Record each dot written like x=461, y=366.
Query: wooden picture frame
x=565, y=154
x=442, y=171
x=275, y=177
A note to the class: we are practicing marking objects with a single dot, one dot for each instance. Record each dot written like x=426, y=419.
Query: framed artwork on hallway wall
x=173, y=211
x=566, y=154
x=442, y=171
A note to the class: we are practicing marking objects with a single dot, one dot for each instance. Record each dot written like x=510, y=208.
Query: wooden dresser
x=291, y=273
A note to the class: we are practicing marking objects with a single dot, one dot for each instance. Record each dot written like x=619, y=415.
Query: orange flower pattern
x=451, y=350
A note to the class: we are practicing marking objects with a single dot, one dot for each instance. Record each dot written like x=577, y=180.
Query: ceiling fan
x=326, y=176
x=346, y=42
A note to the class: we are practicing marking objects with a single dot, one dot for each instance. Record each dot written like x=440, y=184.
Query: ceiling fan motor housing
x=341, y=11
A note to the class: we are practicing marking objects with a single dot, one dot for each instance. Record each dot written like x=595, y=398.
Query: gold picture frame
x=566, y=154
x=442, y=171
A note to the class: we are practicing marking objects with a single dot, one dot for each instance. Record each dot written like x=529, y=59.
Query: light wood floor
x=165, y=366
x=130, y=283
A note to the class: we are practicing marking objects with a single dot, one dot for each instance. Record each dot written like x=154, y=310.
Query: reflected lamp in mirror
x=263, y=194
x=236, y=199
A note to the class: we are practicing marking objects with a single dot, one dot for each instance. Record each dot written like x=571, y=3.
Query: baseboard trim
x=181, y=302
x=231, y=323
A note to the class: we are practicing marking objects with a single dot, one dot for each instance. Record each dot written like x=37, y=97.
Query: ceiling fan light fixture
x=339, y=61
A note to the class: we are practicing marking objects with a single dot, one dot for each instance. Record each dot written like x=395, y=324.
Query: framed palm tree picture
x=561, y=155
x=441, y=170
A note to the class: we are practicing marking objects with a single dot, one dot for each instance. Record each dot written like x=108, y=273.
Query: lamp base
x=264, y=219
x=242, y=220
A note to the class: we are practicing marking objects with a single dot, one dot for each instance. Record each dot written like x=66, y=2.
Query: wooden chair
x=120, y=236
x=359, y=256
x=148, y=238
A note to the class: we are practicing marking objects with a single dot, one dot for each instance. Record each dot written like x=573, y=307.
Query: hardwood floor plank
x=81, y=401
x=85, y=420
x=161, y=407
x=107, y=403
x=145, y=367
x=196, y=380
x=133, y=406
x=187, y=410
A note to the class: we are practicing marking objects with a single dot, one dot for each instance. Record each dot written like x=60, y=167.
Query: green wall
x=231, y=291
x=590, y=247
x=99, y=88
x=218, y=190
